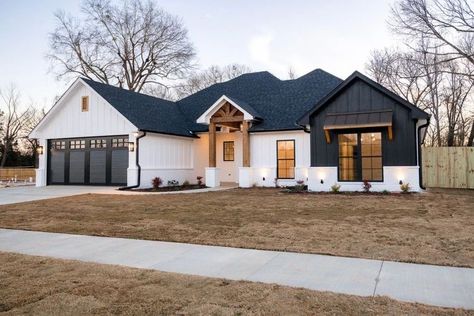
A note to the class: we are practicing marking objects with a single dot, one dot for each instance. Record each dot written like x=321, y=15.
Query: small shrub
x=185, y=183
x=173, y=183
x=254, y=185
x=386, y=192
x=156, y=182
x=405, y=187
x=366, y=186
x=299, y=186
x=199, y=180
x=335, y=188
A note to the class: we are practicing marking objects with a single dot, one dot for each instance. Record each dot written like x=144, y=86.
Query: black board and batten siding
x=360, y=97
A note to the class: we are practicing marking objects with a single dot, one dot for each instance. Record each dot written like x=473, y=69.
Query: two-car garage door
x=94, y=161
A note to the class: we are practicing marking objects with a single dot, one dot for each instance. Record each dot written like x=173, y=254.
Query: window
x=58, y=145
x=98, y=143
x=77, y=144
x=119, y=142
x=228, y=151
x=371, y=153
x=285, y=159
x=364, y=166
x=85, y=104
x=348, y=161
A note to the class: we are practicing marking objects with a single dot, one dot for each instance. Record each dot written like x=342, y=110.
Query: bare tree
x=449, y=22
x=212, y=75
x=132, y=44
x=14, y=122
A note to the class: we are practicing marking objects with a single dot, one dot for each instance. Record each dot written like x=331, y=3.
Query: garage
x=88, y=161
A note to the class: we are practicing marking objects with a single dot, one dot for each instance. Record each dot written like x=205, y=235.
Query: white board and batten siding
x=167, y=157
x=67, y=119
x=263, y=156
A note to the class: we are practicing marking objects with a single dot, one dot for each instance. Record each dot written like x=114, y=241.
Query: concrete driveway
x=31, y=193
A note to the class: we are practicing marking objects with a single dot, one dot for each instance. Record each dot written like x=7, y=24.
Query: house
x=252, y=130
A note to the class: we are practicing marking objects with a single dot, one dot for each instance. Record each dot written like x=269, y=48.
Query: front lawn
x=435, y=227
x=42, y=286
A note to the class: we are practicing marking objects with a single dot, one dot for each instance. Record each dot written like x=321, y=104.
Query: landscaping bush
x=173, y=183
x=156, y=182
x=366, y=186
x=299, y=186
x=185, y=183
x=335, y=188
x=199, y=180
x=405, y=187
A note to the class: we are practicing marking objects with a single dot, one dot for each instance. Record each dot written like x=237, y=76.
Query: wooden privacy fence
x=20, y=174
x=448, y=167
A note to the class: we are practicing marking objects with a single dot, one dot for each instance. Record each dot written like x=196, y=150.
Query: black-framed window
x=286, y=159
x=360, y=157
x=228, y=150
x=58, y=145
x=77, y=144
x=119, y=142
x=98, y=143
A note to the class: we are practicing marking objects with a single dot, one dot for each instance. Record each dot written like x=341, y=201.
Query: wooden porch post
x=245, y=144
x=212, y=145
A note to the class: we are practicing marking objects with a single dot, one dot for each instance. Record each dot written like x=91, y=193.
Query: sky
x=272, y=35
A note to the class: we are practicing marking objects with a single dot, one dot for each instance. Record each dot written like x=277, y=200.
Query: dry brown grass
x=41, y=286
x=435, y=227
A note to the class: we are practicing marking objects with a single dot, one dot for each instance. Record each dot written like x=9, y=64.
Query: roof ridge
x=126, y=90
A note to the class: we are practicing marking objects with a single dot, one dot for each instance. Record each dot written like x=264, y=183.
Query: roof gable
x=247, y=110
x=416, y=112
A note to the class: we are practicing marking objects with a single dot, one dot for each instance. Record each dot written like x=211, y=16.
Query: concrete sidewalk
x=428, y=284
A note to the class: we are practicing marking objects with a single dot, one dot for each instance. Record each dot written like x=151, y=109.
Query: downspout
x=137, y=163
x=420, y=169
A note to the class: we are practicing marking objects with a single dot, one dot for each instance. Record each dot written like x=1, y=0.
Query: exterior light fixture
x=131, y=146
x=322, y=181
x=400, y=182
x=263, y=178
x=39, y=150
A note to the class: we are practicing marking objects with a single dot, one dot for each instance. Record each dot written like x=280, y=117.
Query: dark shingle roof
x=278, y=103
x=144, y=111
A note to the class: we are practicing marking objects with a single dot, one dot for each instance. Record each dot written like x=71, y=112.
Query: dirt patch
x=435, y=227
x=41, y=286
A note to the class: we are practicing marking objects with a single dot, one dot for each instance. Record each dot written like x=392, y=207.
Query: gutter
x=420, y=171
x=137, y=162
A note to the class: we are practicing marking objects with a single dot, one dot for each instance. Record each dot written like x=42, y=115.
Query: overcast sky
x=272, y=35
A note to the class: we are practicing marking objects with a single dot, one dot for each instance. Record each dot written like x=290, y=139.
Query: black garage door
x=92, y=161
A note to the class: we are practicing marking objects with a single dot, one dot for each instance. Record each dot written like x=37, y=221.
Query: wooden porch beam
x=245, y=144
x=212, y=145
x=227, y=119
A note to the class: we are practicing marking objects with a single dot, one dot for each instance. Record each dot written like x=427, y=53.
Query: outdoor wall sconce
x=322, y=181
x=263, y=178
x=400, y=182
x=39, y=150
x=131, y=146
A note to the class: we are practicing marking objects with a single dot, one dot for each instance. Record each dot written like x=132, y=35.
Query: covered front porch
x=229, y=122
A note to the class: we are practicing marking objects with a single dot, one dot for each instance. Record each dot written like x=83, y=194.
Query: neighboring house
x=252, y=130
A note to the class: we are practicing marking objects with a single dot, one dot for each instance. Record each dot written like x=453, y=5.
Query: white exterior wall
x=167, y=157
x=66, y=120
x=263, y=160
x=228, y=170
x=263, y=157
x=391, y=179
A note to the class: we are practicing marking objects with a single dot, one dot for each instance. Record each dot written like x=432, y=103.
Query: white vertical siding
x=67, y=120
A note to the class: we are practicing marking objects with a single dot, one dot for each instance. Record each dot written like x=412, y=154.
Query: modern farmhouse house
x=252, y=130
